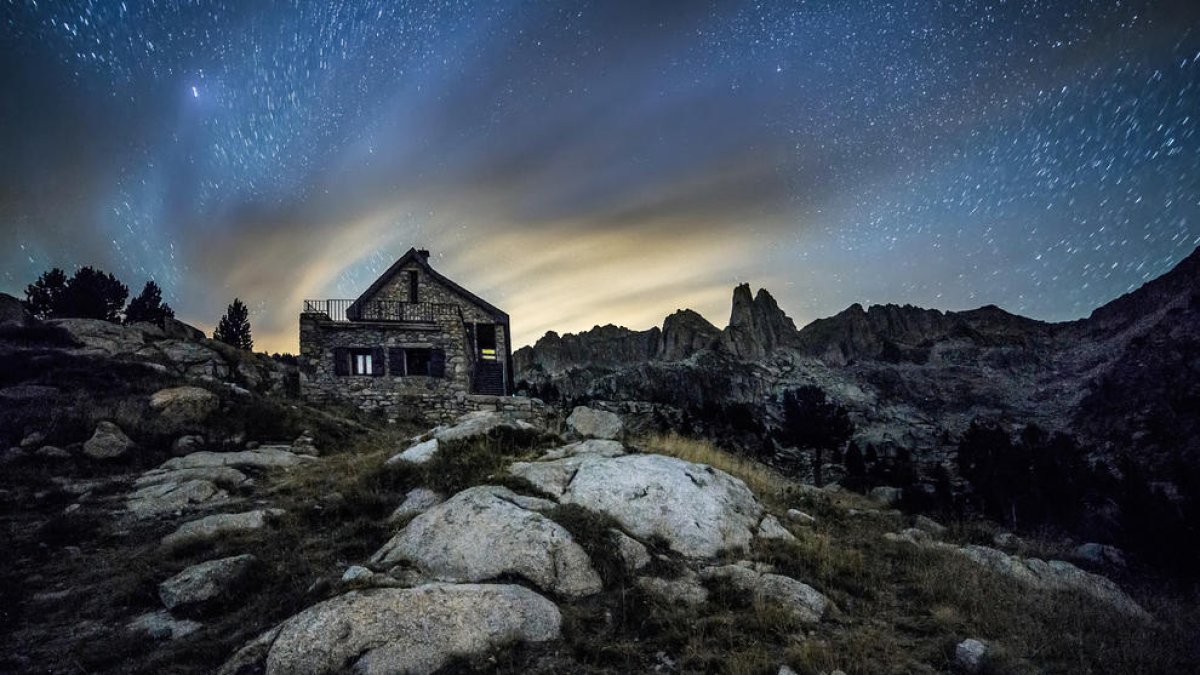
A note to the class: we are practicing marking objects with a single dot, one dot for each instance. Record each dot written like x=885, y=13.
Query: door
x=485, y=341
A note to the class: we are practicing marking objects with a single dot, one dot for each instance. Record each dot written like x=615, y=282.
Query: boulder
x=356, y=573
x=886, y=495
x=194, y=359
x=391, y=630
x=206, y=582
x=595, y=446
x=13, y=312
x=591, y=423
x=161, y=625
x=929, y=525
x=800, y=517
x=1053, y=575
x=417, y=454
x=261, y=458
x=33, y=440
x=182, y=407
x=633, y=553
x=487, y=532
x=687, y=590
x=186, y=445
x=219, y=525
x=170, y=497
x=305, y=444
x=106, y=337
x=769, y=528
x=417, y=501
x=1100, y=554
x=806, y=604
x=52, y=452
x=107, y=442
x=969, y=655
x=480, y=423
x=697, y=509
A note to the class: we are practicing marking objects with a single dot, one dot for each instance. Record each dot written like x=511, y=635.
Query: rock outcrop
x=107, y=442
x=696, y=509
x=206, y=582
x=416, y=630
x=446, y=543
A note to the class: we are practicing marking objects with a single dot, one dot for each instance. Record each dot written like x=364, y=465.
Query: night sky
x=588, y=163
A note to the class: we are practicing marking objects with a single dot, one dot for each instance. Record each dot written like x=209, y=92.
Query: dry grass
x=761, y=479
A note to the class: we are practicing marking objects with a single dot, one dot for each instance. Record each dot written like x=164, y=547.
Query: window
x=362, y=362
x=412, y=286
x=485, y=338
x=416, y=361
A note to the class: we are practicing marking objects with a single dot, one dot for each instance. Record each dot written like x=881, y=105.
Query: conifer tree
x=234, y=328
x=148, y=306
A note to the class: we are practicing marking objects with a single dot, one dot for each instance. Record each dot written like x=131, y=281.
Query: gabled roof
x=421, y=258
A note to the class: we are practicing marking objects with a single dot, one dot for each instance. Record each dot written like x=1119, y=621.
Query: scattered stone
x=770, y=528
x=414, y=630
x=1100, y=554
x=161, y=625
x=355, y=573
x=219, y=525
x=886, y=495
x=930, y=526
x=159, y=498
x=186, y=445
x=633, y=553
x=13, y=454
x=52, y=452
x=697, y=509
x=305, y=444
x=969, y=655
x=417, y=454
x=179, y=407
x=487, y=532
x=108, y=442
x=686, y=590
x=417, y=501
x=206, y=582
x=588, y=422
x=805, y=602
x=798, y=516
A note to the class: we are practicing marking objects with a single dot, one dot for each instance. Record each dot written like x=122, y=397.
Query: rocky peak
x=684, y=333
x=757, y=326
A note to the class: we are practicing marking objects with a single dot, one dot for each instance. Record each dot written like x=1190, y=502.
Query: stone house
x=413, y=342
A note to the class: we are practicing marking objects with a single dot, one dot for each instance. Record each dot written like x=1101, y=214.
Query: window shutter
x=437, y=363
x=396, y=361
x=378, y=354
x=341, y=361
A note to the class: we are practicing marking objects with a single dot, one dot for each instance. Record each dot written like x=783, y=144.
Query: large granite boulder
x=206, y=582
x=259, y=458
x=588, y=422
x=488, y=532
x=107, y=442
x=183, y=407
x=104, y=337
x=389, y=630
x=418, y=453
x=695, y=508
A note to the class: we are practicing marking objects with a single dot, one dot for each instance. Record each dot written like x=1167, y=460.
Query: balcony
x=383, y=311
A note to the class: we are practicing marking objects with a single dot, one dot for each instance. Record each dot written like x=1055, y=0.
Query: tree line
x=90, y=293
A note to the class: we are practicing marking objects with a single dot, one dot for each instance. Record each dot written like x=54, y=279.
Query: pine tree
x=44, y=296
x=234, y=327
x=148, y=306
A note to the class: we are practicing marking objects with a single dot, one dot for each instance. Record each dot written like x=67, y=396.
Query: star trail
x=594, y=162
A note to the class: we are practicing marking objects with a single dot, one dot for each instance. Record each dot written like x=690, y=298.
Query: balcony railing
x=383, y=310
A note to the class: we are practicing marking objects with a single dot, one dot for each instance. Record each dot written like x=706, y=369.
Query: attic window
x=412, y=285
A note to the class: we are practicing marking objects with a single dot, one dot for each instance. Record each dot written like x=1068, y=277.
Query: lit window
x=362, y=363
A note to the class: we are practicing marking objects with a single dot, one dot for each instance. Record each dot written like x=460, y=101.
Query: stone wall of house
x=436, y=399
x=432, y=290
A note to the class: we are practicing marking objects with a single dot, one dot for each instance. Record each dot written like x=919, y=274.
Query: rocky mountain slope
x=183, y=514
x=913, y=378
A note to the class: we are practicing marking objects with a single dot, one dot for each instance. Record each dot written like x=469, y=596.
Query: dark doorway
x=485, y=340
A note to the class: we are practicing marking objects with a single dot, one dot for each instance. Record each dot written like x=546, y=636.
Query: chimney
x=423, y=254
